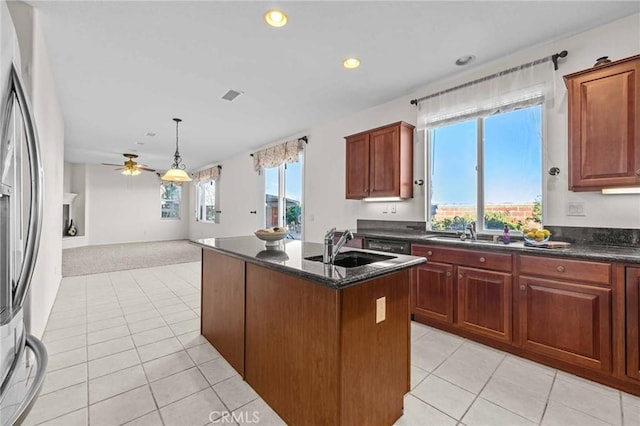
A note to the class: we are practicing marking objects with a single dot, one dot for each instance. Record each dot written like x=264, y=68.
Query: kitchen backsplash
x=598, y=236
x=398, y=226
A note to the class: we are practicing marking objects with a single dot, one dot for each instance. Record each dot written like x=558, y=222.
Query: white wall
x=50, y=125
x=238, y=195
x=325, y=205
x=123, y=209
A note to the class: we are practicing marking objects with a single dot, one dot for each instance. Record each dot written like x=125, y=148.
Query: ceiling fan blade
x=146, y=169
x=109, y=164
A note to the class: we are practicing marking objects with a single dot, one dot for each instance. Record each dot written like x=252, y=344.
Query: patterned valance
x=212, y=173
x=274, y=156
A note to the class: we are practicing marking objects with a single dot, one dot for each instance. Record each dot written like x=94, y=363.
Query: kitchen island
x=321, y=344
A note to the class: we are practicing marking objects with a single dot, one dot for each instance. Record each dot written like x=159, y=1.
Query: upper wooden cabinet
x=604, y=128
x=380, y=162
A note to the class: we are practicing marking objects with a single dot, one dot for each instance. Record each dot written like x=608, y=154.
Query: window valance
x=274, y=156
x=519, y=87
x=212, y=173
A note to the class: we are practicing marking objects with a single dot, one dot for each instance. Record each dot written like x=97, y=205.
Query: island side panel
x=292, y=346
x=222, y=321
x=375, y=355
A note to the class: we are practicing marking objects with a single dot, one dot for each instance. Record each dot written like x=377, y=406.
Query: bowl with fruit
x=271, y=236
x=535, y=236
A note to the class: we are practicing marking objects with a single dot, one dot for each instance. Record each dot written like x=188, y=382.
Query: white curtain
x=212, y=173
x=274, y=156
x=520, y=87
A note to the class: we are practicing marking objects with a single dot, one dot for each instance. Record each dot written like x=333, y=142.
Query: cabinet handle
x=523, y=287
x=429, y=253
x=560, y=268
x=482, y=259
x=460, y=276
x=448, y=274
x=638, y=172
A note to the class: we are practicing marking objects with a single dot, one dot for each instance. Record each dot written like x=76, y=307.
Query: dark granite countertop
x=578, y=251
x=289, y=257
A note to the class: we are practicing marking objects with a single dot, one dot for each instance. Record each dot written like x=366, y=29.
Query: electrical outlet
x=385, y=209
x=381, y=309
x=575, y=208
x=393, y=208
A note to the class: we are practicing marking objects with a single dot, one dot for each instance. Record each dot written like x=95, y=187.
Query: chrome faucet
x=471, y=226
x=327, y=252
x=330, y=251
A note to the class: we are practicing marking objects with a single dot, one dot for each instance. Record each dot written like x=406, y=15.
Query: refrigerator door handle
x=37, y=183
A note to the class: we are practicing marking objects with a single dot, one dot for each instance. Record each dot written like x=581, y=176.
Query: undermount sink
x=352, y=259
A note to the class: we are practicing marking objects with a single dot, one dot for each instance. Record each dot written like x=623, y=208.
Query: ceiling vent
x=231, y=95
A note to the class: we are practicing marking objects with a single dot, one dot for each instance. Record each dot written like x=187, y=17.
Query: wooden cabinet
x=484, y=302
x=633, y=322
x=565, y=319
x=379, y=162
x=604, y=128
x=432, y=291
x=223, y=294
x=467, y=289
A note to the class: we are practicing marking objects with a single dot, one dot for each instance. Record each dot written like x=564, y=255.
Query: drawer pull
x=560, y=268
x=523, y=287
x=448, y=274
x=482, y=260
x=460, y=276
x=429, y=253
x=638, y=172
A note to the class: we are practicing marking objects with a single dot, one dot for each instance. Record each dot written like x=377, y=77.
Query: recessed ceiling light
x=231, y=95
x=139, y=143
x=276, y=18
x=150, y=134
x=465, y=60
x=351, y=63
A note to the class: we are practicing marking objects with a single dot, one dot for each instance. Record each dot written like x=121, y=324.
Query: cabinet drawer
x=574, y=270
x=476, y=259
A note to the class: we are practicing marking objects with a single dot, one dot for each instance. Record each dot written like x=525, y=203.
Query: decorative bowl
x=271, y=236
x=535, y=236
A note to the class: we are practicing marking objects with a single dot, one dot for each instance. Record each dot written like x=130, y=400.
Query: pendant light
x=176, y=173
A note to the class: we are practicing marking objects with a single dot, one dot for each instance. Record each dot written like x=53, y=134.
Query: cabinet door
x=566, y=321
x=222, y=321
x=484, y=302
x=604, y=130
x=633, y=322
x=384, y=152
x=357, y=185
x=432, y=292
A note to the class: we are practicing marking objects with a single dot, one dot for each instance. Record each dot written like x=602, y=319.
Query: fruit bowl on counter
x=271, y=235
x=535, y=236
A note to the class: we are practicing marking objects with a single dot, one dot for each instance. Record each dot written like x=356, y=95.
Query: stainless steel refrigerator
x=23, y=358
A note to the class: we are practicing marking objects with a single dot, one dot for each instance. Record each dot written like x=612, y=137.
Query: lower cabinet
x=484, y=302
x=567, y=321
x=633, y=322
x=432, y=292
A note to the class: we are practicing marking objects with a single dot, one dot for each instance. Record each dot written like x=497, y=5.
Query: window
x=283, y=197
x=170, y=195
x=488, y=167
x=206, y=201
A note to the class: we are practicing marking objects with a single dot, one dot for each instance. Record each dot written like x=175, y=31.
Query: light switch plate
x=575, y=208
x=393, y=208
x=381, y=309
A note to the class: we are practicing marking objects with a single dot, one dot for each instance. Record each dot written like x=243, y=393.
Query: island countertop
x=290, y=257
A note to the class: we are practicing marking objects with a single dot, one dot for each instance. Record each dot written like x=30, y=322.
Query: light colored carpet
x=119, y=257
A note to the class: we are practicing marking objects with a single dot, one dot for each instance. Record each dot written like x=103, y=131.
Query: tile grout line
x=546, y=404
x=148, y=385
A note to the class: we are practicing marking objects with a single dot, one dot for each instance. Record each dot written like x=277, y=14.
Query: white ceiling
x=125, y=68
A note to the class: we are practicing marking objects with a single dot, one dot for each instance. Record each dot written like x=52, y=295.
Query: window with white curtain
x=484, y=150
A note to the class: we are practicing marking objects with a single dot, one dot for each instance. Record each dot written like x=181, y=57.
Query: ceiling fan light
x=176, y=175
x=131, y=171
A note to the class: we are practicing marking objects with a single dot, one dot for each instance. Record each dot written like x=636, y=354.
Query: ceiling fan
x=130, y=167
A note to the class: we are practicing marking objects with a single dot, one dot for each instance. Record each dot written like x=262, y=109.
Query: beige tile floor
x=125, y=348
